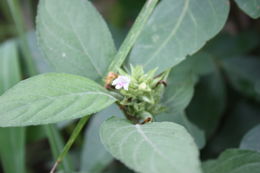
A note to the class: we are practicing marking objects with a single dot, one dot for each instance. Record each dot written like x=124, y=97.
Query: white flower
x=121, y=82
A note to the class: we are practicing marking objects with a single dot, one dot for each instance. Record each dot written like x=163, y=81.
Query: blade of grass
x=132, y=35
x=14, y=7
x=12, y=140
x=56, y=143
x=70, y=142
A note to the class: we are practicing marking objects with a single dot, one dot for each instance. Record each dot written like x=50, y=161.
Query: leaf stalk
x=133, y=35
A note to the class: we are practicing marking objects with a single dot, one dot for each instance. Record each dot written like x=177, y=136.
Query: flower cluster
x=121, y=82
x=141, y=93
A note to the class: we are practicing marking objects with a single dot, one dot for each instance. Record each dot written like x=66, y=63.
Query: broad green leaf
x=234, y=161
x=251, y=7
x=151, y=148
x=243, y=73
x=50, y=98
x=176, y=29
x=74, y=37
x=12, y=140
x=208, y=103
x=94, y=156
x=181, y=118
x=251, y=141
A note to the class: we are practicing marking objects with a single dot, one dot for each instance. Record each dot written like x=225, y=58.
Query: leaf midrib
x=65, y=95
x=79, y=40
x=174, y=31
x=143, y=135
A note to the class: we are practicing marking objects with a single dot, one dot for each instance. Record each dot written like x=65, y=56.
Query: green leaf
x=9, y=66
x=234, y=161
x=251, y=141
x=243, y=73
x=74, y=37
x=12, y=140
x=151, y=148
x=251, y=7
x=50, y=98
x=180, y=87
x=94, y=156
x=176, y=29
x=56, y=143
x=181, y=118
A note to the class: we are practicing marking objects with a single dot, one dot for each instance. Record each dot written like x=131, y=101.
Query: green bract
x=142, y=98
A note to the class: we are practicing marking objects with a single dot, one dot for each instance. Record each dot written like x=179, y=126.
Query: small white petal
x=126, y=87
x=115, y=82
x=121, y=82
x=118, y=87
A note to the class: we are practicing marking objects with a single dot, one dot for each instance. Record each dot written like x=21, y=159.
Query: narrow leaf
x=176, y=29
x=151, y=148
x=56, y=142
x=12, y=140
x=50, y=98
x=9, y=66
x=12, y=149
x=74, y=37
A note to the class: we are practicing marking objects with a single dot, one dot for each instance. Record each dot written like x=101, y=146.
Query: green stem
x=133, y=35
x=71, y=140
x=16, y=13
x=56, y=143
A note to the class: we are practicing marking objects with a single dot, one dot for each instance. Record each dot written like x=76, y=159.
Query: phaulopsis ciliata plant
x=149, y=78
